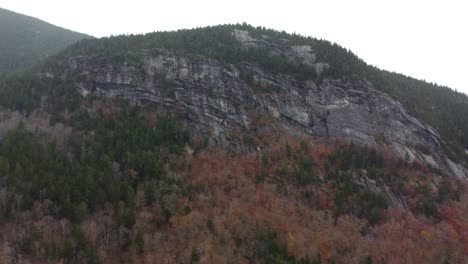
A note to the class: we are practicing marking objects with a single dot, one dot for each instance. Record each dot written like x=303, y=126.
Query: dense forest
x=26, y=41
x=123, y=189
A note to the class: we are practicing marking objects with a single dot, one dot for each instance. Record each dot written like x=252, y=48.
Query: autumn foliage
x=295, y=200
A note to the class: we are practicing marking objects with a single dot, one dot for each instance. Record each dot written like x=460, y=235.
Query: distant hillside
x=26, y=40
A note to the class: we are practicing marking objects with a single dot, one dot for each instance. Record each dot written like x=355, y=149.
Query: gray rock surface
x=302, y=54
x=216, y=100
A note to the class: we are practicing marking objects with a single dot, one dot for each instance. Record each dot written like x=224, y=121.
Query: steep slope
x=438, y=106
x=267, y=77
x=25, y=40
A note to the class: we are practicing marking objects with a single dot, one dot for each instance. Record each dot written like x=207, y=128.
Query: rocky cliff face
x=217, y=97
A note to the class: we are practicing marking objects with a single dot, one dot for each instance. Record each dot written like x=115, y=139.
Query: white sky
x=425, y=39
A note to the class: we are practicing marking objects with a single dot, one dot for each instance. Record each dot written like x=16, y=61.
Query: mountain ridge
x=26, y=40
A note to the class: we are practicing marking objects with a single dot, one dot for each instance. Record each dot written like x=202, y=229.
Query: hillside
x=228, y=144
x=26, y=41
x=435, y=105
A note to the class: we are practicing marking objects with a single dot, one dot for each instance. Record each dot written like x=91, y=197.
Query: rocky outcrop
x=217, y=98
x=301, y=54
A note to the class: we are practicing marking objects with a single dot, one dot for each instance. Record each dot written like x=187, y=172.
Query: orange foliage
x=324, y=250
x=226, y=194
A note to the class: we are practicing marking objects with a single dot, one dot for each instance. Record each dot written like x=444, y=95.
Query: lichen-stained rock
x=217, y=98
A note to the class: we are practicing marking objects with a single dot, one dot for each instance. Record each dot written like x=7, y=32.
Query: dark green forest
x=106, y=156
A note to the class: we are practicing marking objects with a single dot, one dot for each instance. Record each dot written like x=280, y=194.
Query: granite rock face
x=216, y=98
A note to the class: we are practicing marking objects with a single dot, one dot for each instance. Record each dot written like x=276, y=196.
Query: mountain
x=435, y=105
x=27, y=41
x=348, y=107
x=229, y=144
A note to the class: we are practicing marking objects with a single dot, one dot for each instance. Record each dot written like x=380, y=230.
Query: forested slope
x=101, y=162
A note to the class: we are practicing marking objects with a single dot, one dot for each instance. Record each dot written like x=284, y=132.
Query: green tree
x=140, y=241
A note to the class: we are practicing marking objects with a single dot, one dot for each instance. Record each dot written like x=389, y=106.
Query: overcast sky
x=425, y=39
